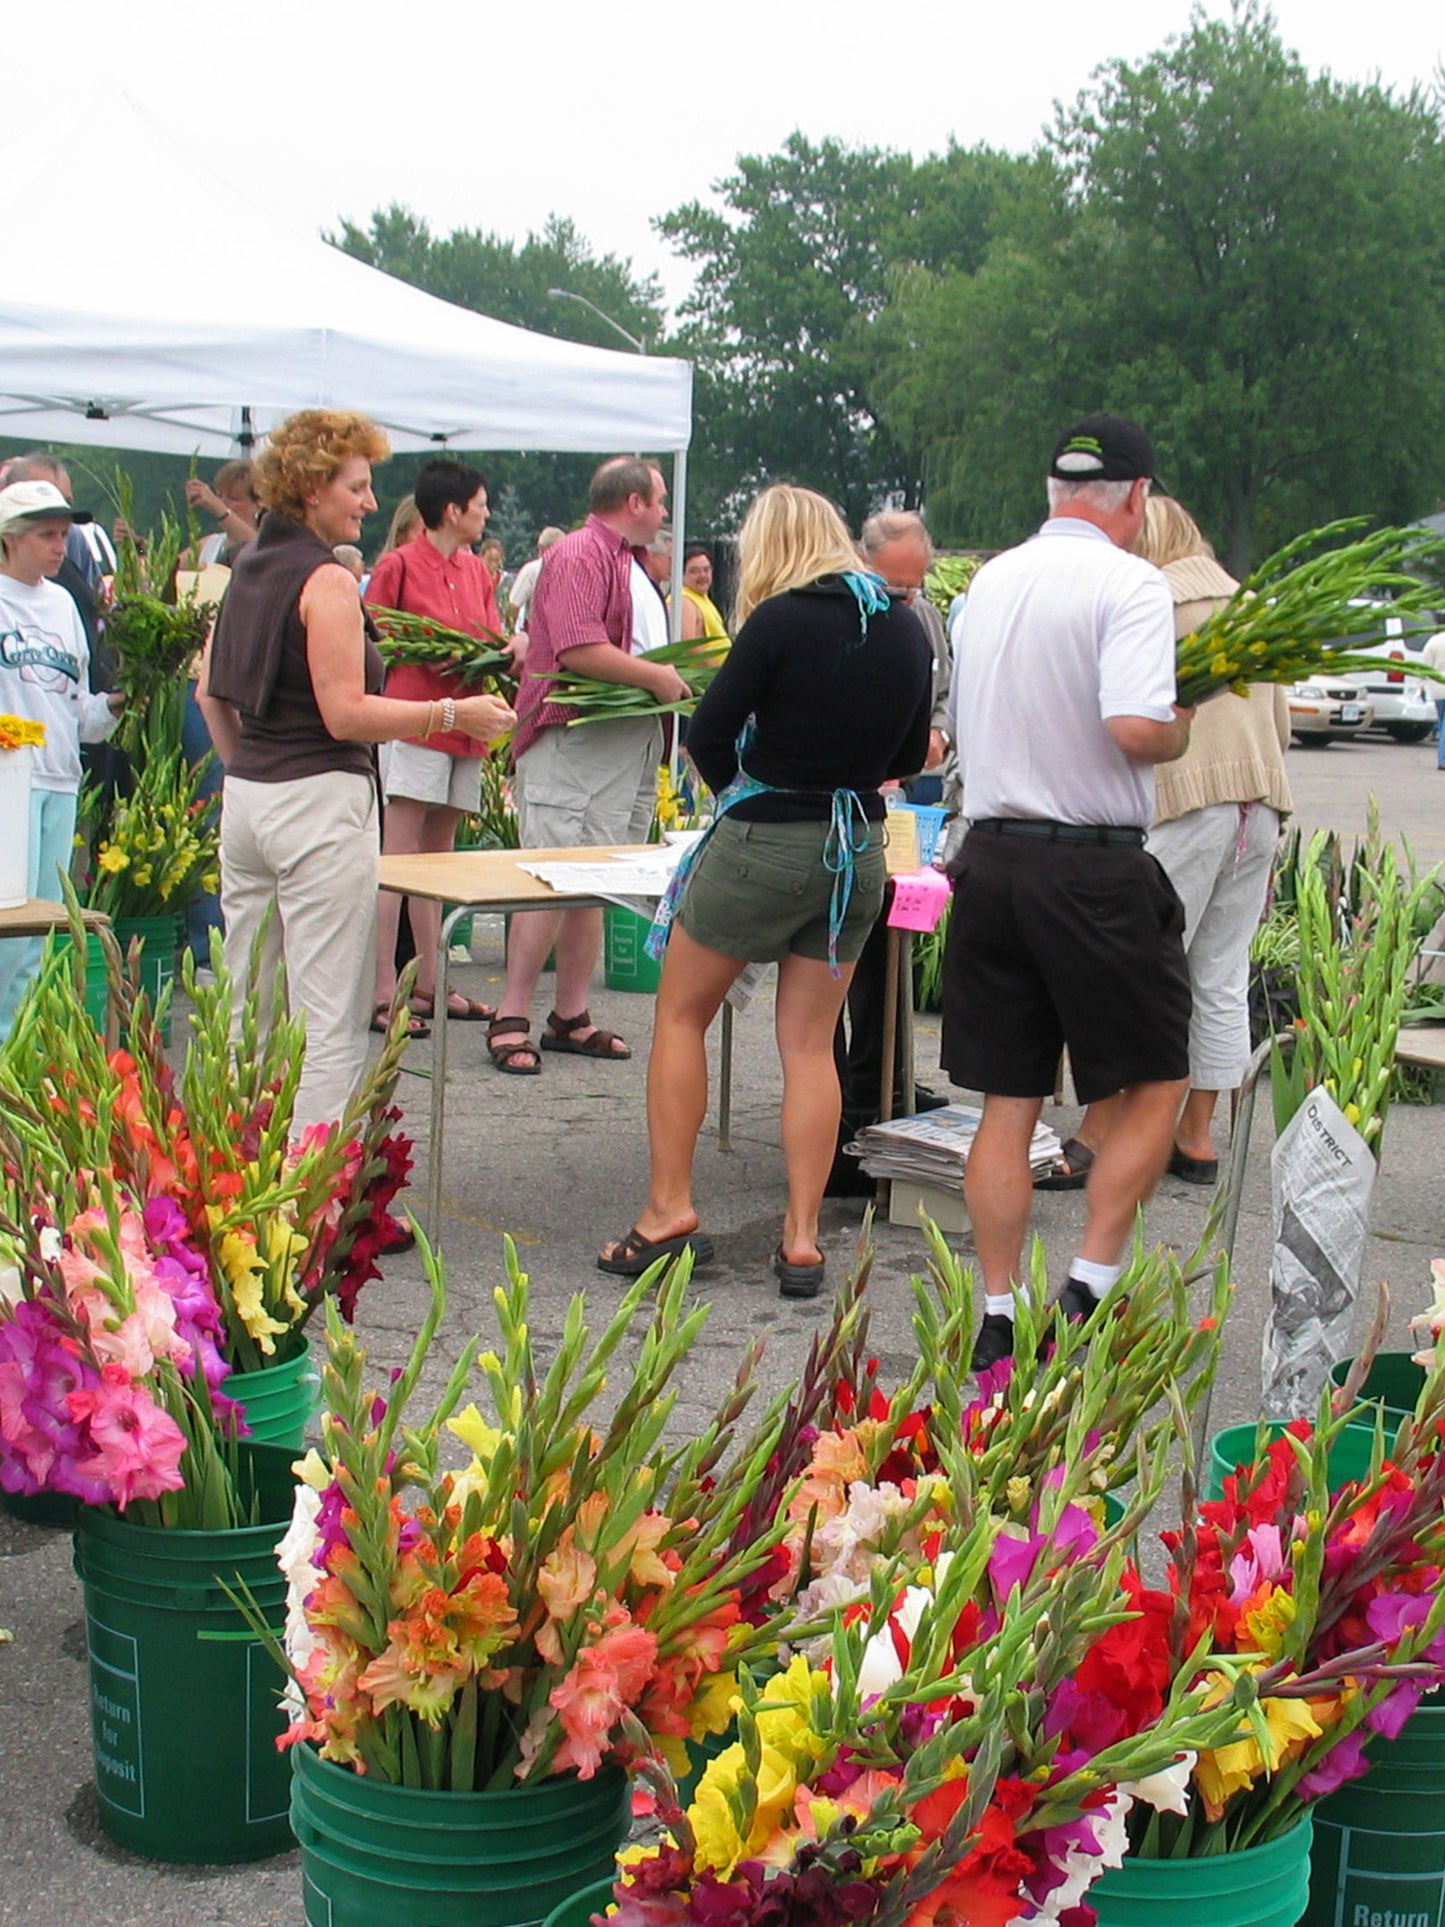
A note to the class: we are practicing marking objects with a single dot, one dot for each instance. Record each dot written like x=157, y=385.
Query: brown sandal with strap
x=560, y=1034
x=505, y=1054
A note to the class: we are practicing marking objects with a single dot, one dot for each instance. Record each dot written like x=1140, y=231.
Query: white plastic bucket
x=14, y=827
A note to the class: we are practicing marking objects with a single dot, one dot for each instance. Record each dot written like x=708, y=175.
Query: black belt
x=1052, y=832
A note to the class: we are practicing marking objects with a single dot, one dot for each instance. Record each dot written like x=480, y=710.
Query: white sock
x=999, y=1304
x=1098, y=1278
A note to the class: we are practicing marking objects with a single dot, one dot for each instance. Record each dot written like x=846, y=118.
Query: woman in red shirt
x=430, y=784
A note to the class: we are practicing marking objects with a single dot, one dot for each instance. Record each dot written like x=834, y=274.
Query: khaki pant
x=307, y=851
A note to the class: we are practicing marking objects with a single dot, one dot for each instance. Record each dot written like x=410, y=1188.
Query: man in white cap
x=44, y=677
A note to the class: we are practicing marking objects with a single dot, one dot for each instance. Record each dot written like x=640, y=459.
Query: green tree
x=1249, y=259
x=793, y=266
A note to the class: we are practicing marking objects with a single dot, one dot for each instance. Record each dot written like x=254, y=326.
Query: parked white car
x=1404, y=705
x=1327, y=711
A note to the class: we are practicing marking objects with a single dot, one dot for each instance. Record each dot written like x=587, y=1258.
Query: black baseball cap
x=1103, y=448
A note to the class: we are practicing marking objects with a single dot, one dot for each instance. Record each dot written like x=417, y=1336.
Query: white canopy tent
x=111, y=336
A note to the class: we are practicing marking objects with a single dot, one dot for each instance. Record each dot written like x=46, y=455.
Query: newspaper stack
x=933, y=1147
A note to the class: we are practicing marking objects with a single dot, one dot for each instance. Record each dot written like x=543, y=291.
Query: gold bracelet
x=430, y=729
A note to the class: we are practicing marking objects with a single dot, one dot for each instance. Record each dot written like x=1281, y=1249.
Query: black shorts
x=1063, y=943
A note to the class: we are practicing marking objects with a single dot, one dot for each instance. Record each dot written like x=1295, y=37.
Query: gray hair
x=1105, y=496
x=892, y=525
x=661, y=543
x=548, y=537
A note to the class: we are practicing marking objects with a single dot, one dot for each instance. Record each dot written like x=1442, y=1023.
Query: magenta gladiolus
x=137, y=1446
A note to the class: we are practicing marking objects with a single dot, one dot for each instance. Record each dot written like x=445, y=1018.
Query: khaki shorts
x=593, y=784
x=431, y=776
x=761, y=891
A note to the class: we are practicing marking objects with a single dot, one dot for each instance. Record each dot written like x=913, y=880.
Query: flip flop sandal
x=505, y=1054
x=798, y=1281
x=560, y=1035
x=1078, y=1159
x=381, y=1024
x=474, y=1013
x=633, y=1254
x=1193, y=1170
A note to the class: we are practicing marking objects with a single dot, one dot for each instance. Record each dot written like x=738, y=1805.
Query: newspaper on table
x=933, y=1147
x=1322, y=1173
x=635, y=881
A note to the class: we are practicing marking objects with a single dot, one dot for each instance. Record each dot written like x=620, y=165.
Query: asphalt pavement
x=560, y=1162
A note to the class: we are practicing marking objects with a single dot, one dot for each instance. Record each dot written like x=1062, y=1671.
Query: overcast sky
x=495, y=117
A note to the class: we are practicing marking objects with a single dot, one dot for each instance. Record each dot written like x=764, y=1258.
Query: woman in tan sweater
x=1216, y=828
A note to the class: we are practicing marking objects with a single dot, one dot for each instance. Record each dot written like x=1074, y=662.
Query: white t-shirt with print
x=45, y=676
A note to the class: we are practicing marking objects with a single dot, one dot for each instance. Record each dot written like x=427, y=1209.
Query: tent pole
x=679, y=543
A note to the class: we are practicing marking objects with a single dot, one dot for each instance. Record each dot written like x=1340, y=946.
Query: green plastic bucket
x=160, y=940
x=388, y=1856
x=279, y=1399
x=1264, y=1886
x=1394, y=1382
x=1379, y=1852
x=626, y=964
x=577, y=1910
x=183, y=1697
x=41, y=1508
x=1234, y=1447
x=97, y=986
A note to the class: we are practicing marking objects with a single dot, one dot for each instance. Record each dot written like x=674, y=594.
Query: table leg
x=725, y=1081
x=439, y=1029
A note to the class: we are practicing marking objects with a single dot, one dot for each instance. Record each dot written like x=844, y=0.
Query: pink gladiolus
x=138, y=1446
x=40, y=1444
x=607, y=1676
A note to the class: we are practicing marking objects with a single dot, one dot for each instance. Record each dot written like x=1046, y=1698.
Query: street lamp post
x=566, y=294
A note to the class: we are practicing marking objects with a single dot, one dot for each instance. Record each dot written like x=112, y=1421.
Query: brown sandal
x=505, y=1054
x=424, y=1003
x=560, y=1035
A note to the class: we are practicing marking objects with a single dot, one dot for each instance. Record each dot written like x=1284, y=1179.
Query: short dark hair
x=693, y=549
x=443, y=481
x=616, y=480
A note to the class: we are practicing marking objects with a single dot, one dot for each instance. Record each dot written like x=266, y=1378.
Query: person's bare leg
x=809, y=1000
x=579, y=944
x=1129, y=1164
x=694, y=982
x=530, y=940
x=998, y=1188
x=1097, y=1122
x=1193, y=1134
x=438, y=836
x=400, y=836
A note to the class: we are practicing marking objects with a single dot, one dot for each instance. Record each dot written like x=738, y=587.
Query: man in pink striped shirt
x=595, y=612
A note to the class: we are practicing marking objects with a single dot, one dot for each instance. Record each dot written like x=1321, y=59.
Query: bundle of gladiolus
x=1100, y=1410
x=1331, y=1598
x=1298, y=612
x=281, y=1219
x=407, y=638
x=110, y=1362
x=594, y=701
x=969, y=1748
x=476, y=1627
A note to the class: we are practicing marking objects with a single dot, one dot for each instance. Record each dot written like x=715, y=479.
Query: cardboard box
x=946, y=1207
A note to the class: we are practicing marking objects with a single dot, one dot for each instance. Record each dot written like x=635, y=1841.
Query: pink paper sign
x=918, y=900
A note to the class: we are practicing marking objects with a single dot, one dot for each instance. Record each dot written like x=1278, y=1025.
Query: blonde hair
x=790, y=537
x=306, y=451
x=1169, y=532
x=405, y=521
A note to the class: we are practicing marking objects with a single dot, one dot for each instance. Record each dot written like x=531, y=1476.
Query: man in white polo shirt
x=1065, y=930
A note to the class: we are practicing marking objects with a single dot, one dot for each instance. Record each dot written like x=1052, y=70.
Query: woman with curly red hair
x=290, y=692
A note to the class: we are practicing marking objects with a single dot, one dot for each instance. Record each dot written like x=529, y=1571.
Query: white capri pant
x=1219, y=860
x=309, y=848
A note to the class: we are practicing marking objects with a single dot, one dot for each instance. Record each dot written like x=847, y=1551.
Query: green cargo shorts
x=760, y=891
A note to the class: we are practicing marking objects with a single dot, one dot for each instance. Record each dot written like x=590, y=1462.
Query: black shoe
x=995, y=1341
x=1077, y=1304
x=927, y=1100
x=848, y=1179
